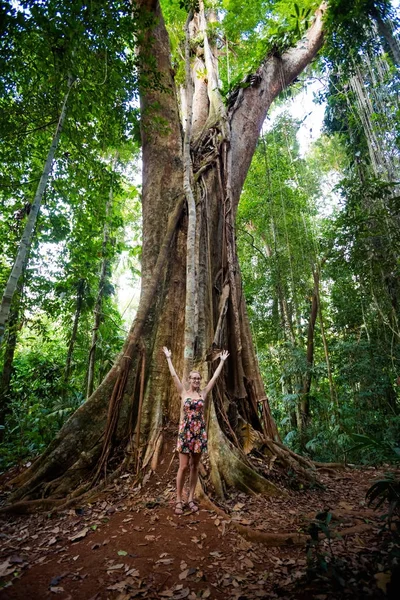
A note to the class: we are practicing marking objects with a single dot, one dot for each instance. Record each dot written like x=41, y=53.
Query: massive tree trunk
x=138, y=388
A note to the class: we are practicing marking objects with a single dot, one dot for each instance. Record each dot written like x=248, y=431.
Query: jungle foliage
x=287, y=236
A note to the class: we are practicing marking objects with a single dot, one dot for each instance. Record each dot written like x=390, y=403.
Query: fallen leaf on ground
x=248, y=563
x=165, y=561
x=182, y=594
x=382, y=580
x=6, y=568
x=115, y=567
x=78, y=536
x=119, y=587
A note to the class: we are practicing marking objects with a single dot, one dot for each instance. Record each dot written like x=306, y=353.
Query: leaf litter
x=167, y=556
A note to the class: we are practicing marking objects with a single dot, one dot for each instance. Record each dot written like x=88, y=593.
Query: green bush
x=38, y=405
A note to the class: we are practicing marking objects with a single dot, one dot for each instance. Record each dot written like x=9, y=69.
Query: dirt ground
x=130, y=544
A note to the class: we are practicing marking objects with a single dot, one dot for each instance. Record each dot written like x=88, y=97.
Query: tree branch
x=253, y=102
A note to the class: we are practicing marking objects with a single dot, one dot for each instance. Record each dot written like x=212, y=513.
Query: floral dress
x=192, y=435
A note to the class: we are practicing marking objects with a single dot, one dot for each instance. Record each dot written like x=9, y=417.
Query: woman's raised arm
x=224, y=355
x=175, y=377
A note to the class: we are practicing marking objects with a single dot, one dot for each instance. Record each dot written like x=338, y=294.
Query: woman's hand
x=167, y=352
x=177, y=381
x=224, y=355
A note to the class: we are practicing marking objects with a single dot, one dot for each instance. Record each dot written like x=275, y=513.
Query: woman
x=192, y=435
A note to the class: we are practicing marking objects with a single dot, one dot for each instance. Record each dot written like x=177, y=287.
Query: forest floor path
x=130, y=544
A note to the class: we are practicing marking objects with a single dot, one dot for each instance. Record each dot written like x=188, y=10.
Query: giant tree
x=209, y=162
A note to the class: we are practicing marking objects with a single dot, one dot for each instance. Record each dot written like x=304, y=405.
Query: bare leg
x=194, y=474
x=180, y=477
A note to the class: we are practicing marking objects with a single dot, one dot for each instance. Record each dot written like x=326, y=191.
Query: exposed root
x=338, y=514
x=306, y=462
x=353, y=530
x=228, y=464
x=294, y=462
x=312, y=464
x=82, y=495
x=28, y=507
x=343, y=466
x=114, y=409
x=275, y=539
x=271, y=539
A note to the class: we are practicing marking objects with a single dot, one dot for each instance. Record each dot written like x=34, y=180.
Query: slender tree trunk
x=221, y=156
x=9, y=351
x=30, y=223
x=305, y=395
x=105, y=263
x=80, y=293
x=332, y=390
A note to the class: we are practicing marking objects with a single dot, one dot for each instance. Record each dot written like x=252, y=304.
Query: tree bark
x=221, y=156
x=30, y=223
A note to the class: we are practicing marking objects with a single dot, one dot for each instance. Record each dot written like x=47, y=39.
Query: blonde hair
x=191, y=373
